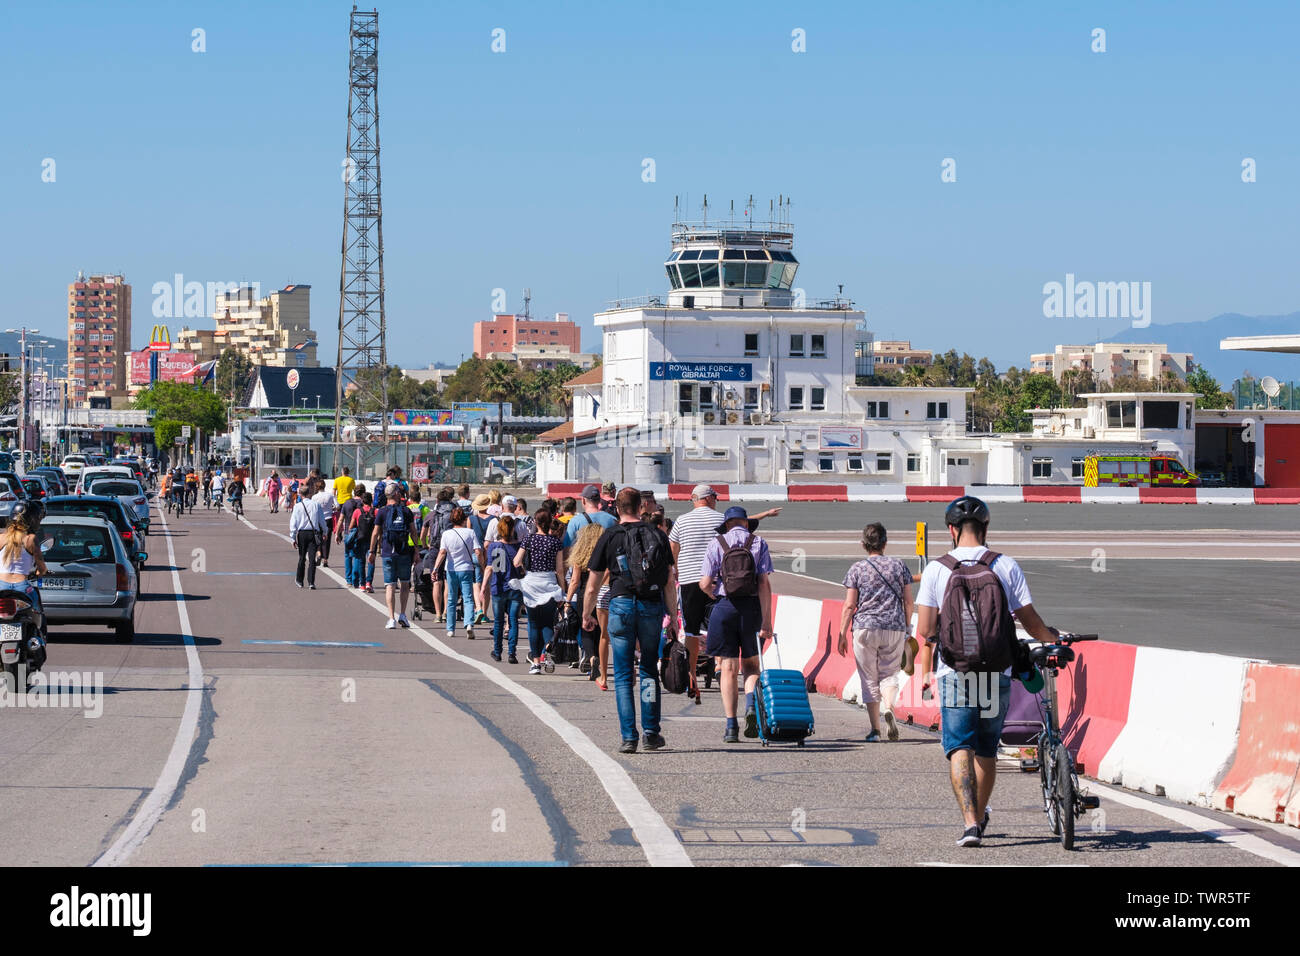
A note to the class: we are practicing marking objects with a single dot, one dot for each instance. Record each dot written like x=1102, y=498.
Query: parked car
x=127, y=490
x=91, y=578
x=90, y=472
x=102, y=506
x=506, y=468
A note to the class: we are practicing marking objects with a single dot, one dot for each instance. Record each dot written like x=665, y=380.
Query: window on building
x=1076, y=467
x=1121, y=414
x=751, y=398
x=913, y=462
x=817, y=398
x=855, y=462
x=796, y=398
x=751, y=343
x=958, y=460
x=755, y=441
x=877, y=409
x=796, y=346
x=825, y=462
x=1160, y=414
x=686, y=399
x=1042, y=468
x=936, y=410
x=817, y=346
x=706, y=396
x=796, y=462
x=885, y=462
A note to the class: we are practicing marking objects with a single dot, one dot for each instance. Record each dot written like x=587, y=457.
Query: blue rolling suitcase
x=784, y=712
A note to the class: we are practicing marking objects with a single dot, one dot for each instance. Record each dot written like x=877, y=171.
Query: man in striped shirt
x=690, y=538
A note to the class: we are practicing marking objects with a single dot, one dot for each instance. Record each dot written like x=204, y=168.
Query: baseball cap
x=591, y=492
x=508, y=501
x=703, y=491
x=735, y=511
x=608, y=488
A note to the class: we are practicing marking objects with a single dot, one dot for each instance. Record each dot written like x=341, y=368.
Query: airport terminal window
x=826, y=463
x=817, y=346
x=751, y=343
x=709, y=254
x=756, y=275
x=690, y=275
x=672, y=277
x=877, y=409
x=936, y=409
x=1042, y=468
x=855, y=462
x=913, y=462
x=1076, y=467
x=751, y=397
x=1121, y=414
x=709, y=275
x=690, y=254
x=733, y=254
x=884, y=462
x=756, y=255
x=733, y=275
x=796, y=398
x=706, y=396
x=685, y=399
x=796, y=462
x=817, y=399
x=796, y=346
x=1160, y=414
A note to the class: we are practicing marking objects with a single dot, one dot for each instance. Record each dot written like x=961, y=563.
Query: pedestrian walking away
x=306, y=525
x=639, y=562
x=458, y=554
x=501, y=582
x=690, y=539
x=877, y=609
x=737, y=573
x=391, y=539
x=324, y=496
x=965, y=605
x=542, y=561
x=356, y=544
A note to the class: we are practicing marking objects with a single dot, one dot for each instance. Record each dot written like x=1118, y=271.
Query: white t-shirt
x=934, y=581
x=459, y=543
x=491, y=534
x=326, y=500
x=694, y=532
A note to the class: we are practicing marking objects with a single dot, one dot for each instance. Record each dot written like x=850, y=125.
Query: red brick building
x=514, y=333
x=99, y=336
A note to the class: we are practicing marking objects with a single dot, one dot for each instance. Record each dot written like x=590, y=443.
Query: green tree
x=1212, y=396
x=233, y=375
x=500, y=384
x=183, y=404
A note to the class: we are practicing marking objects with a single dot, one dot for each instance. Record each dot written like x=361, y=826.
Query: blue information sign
x=702, y=371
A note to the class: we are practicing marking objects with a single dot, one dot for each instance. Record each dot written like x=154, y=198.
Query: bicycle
x=207, y=496
x=219, y=502
x=237, y=506
x=1062, y=801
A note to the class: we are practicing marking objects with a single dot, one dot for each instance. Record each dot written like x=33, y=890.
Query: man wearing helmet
x=971, y=728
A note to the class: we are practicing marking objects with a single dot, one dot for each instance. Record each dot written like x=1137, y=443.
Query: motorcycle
x=22, y=635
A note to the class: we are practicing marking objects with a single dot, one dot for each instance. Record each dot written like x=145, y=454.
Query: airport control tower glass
x=720, y=257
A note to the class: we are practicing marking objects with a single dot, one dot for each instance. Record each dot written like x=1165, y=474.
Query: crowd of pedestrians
x=611, y=565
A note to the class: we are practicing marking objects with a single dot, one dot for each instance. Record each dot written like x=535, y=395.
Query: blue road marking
x=477, y=863
x=320, y=643
x=239, y=574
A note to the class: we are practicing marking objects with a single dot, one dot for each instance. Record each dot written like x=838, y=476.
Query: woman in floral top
x=878, y=607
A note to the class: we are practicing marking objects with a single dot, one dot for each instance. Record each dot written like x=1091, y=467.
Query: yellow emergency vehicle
x=1137, y=471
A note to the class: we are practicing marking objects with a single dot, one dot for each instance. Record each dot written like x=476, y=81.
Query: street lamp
x=22, y=418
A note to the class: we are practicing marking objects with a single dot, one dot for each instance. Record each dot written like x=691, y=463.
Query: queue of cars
x=93, y=517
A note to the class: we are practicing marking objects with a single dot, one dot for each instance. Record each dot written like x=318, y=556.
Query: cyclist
x=192, y=487
x=973, y=706
x=236, y=492
x=207, y=487
x=178, y=490
x=218, y=488
x=166, y=491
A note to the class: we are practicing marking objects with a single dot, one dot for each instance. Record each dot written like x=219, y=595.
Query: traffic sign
x=420, y=472
x=462, y=459
x=185, y=431
x=921, y=551
x=180, y=440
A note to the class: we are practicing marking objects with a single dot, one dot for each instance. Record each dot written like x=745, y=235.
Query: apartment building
x=895, y=353
x=1109, y=360
x=274, y=330
x=99, y=337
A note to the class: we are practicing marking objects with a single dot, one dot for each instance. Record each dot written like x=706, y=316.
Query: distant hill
x=57, y=350
x=1202, y=340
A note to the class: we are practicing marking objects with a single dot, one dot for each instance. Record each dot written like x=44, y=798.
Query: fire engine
x=1137, y=471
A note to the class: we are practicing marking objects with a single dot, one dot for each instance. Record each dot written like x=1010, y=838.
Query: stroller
x=565, y=646
x=422, y=584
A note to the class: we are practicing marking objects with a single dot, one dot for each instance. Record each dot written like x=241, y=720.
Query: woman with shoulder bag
x=878, y=607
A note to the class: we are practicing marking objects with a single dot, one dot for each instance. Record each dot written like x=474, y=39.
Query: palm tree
x=499, y=383
x=914, y=375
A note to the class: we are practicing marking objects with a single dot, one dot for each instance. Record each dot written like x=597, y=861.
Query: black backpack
x=397, y=528
x=648, y=558
x=675, y=667
x=976, y=629
x=441, y=521
x=365, y=524
x=564, y=647
x=739, y=573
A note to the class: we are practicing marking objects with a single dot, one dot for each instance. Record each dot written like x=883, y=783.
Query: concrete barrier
x=1183, y=719
x=1264, y=779
x=1093, y=695
x=1277, y=496
x=877, y=493
x=680, y=492
x=817, y=493
x=1110, y=496
x=998, y=494
x=1225, y=496
x=798, y=641
x=1072, y=494
x=757, y=493
x=934, y=492
x=1167, y=496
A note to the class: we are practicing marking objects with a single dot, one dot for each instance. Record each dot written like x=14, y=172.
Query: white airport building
x=732, y=378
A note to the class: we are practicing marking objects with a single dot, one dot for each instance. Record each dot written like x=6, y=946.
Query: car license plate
x=10, y=632
x=64, y=584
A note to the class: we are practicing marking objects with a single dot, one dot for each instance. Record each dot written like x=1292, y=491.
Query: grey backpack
x=976, y=629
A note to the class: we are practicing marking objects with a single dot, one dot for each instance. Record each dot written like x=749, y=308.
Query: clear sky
x=524, y=168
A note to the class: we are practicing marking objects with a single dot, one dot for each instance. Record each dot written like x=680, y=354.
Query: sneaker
x=573, y=665
x=628, y=746
x=495, y=656
x=731, y=736
x=655, y=742
x=891, y=725
x=299, y=583
x=311, y=587
x=873, y=737
x=469, y=633
x=751, y=724
x=585, y=666
x=512, y=659
x=984, y=825
x=391, y=625
x=531, y=660
x=534, y=669
x=970, y=837
x=402, y=621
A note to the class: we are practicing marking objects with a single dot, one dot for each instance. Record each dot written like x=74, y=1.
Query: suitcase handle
x=761, y=668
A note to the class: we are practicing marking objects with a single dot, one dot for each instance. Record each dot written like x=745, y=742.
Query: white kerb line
x=151, y=810
x=657, y=839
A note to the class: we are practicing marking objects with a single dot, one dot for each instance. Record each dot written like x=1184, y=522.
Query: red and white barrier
x=993, y=494
x=1264, y=779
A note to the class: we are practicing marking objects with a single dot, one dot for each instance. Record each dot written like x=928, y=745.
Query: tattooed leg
x=962, y=771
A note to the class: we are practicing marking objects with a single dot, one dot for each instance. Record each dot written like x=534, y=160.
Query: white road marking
x=151, y=810
x=657, y=839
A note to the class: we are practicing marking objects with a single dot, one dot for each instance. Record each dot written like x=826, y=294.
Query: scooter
x=22, y=635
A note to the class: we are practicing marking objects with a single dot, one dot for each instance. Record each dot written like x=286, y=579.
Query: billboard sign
x=702, y=371
x=472, y=413
x=172, y=366
x=426, y=416
x=841, y=437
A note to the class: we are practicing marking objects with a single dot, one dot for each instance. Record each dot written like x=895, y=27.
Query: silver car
x=127, y=490
x=90, y=578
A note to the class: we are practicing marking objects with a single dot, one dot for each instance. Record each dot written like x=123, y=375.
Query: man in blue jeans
x=638, y=561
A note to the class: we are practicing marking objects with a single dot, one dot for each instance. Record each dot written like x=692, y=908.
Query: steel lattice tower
x=362, y=329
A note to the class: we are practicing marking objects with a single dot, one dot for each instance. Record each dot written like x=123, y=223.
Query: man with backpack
x=640, y=563
x=392, y=539
x=737, y=570
x=591, y=514
x=965, y=606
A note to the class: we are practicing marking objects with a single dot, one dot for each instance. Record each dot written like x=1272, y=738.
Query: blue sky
x=523, y=168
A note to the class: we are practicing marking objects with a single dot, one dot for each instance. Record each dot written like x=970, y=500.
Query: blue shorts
x=397, y=569
x=972, y=709
x=733, y=628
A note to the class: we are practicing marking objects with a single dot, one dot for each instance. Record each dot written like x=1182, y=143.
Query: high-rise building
x=99, y=336
x=523, y=333
x=274, y=330
x=1109, y=360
